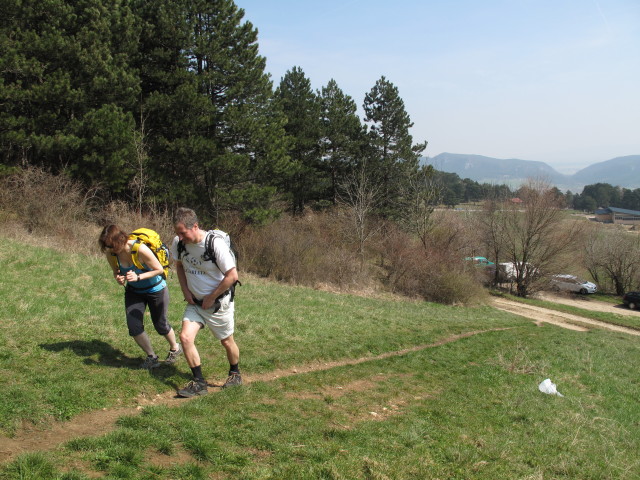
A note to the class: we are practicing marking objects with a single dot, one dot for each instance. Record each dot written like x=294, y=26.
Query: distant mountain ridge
x=619, y=171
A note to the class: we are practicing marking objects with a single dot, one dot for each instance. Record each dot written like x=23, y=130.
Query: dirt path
x=588, y=303
x=103, y=421
x=561, y=319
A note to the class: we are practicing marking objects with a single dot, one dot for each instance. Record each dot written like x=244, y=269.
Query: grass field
x=468, y=408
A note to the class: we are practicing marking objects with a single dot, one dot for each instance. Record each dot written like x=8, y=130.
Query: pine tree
x=66, y=87
x=394, y=156
x=208, y=103
x=301, y=107
x=343, y=135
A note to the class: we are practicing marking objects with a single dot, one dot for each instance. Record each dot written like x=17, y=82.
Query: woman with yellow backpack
x=136, y=267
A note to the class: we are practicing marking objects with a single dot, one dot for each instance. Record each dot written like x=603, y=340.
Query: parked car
x=571, y=283
x=479, y=261
x=631, y=299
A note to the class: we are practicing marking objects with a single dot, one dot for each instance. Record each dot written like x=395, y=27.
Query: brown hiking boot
x=234, y=380
x=194, y=388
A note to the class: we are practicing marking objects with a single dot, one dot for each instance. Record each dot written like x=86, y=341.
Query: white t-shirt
x=203, y=277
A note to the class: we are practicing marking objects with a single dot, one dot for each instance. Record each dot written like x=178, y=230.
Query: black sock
x=197, y=373
x=234, y=369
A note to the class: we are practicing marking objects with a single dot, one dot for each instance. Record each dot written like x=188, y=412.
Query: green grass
x=467, y=409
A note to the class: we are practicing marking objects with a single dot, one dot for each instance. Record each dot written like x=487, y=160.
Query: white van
x=507, y=271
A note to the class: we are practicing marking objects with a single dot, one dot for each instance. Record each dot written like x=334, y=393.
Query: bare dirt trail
x=588, y=303
x=561, y=319
x=99, y=422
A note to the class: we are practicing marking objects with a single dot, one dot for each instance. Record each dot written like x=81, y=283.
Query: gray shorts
x=220, y=323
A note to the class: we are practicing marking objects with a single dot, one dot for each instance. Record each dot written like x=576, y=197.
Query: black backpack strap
x=209, y=252
x=116, y=262
x=181, y=249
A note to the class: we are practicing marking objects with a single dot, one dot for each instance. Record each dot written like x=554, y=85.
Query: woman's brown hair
x=112, y=237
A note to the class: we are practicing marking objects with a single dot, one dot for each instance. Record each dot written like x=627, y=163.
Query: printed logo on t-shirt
x=193, y=265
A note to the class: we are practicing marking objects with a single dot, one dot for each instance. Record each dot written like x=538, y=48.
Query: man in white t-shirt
x=207, y=286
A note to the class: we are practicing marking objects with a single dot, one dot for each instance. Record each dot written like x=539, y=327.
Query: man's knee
x=187, y=338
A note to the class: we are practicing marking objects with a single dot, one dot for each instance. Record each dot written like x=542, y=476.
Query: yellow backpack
x=151, y=239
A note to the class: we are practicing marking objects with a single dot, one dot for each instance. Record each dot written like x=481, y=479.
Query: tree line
x=456, y=190
x=168, y=103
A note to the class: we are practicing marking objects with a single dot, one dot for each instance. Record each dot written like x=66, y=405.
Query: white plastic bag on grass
x=547, y=386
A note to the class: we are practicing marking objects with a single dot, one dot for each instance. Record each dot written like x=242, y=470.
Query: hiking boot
x=149, y=363
x=234, y=380
x=193, y=388
x=172, y=357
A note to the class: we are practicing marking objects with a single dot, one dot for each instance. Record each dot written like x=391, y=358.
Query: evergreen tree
x=66, y=87
x=472, y=191
x=214, y=131
x=302, y=109
x=394, y=156
x=631, y=199
x=569, y=199
x=343, y=135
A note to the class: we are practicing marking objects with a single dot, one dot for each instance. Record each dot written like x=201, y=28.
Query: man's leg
x=233, y=355
x=233, y=352
x=198, y=386
x=188, y=339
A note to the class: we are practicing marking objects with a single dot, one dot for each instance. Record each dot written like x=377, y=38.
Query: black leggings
x=135, y=305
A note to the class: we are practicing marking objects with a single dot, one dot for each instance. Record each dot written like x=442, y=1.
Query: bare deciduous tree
x=613, y=258
x=140, y=179
x=423, y=192
x=491, y=226
x=360, y=196
x=532, y=235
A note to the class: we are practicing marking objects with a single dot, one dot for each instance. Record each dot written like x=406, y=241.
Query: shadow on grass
x=107, y=355
x=112, y=357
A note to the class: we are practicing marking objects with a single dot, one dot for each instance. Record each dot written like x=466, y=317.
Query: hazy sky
x=551, y=80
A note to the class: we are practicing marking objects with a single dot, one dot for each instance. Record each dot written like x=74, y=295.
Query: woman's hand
x=119, y=278
x=132, y=276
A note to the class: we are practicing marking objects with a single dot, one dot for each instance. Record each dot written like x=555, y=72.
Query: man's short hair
x=185, y=216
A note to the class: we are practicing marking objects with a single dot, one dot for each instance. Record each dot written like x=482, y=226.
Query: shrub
x=54, y=208
x=59, y=212
x=317, y=249
x=305, y=250
x=434, y=272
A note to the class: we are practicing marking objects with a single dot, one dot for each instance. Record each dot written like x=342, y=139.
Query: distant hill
x=621, y=171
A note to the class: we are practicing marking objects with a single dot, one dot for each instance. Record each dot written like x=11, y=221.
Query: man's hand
x=188, y=297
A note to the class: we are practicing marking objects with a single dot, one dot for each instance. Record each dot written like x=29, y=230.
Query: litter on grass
x=547, y=386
